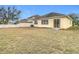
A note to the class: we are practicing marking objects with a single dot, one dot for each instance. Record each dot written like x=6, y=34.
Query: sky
x=29, y=10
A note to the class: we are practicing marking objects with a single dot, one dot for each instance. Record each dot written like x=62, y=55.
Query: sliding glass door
x=56, y=23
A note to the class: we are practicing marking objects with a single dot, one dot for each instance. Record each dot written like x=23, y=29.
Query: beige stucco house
x=54, y=20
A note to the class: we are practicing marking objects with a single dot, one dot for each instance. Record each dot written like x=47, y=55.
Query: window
x=44, y=22
x=35, y=22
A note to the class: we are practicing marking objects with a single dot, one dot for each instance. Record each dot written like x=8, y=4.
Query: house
x=51, y=20
x=25, y=23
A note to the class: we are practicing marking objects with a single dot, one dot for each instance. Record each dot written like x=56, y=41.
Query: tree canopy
x=9, y=14
x=75, y=18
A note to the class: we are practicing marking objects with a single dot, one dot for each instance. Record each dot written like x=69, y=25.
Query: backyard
x=38, y=40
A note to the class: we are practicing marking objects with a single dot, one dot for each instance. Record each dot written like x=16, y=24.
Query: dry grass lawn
x=38, y=40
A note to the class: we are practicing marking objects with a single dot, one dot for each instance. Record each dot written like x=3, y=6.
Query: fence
x=15, y=25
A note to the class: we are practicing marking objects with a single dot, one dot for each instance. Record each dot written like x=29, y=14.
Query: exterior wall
x=64, y=23
x=24, y=24
x=49, y=25
x=15, y=25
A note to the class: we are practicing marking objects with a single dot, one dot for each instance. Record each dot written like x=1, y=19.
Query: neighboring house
x=25, y=23
x=28, y=22
x=51, y=20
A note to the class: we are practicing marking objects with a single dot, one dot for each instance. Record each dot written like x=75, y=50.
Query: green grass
x=38, y=40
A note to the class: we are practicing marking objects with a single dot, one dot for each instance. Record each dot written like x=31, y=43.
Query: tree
x=75, y=18
x=2, y=15
x=13, y=14
x=9, y=14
